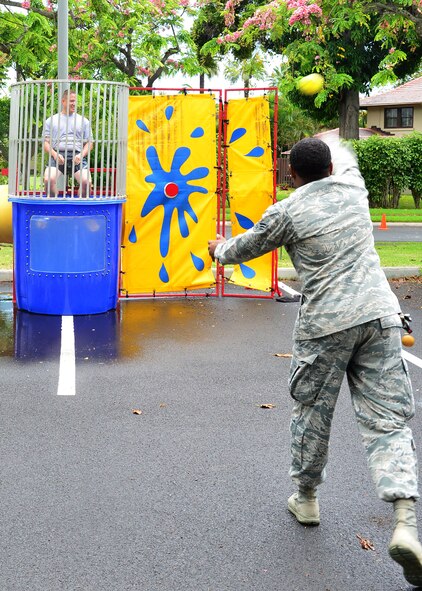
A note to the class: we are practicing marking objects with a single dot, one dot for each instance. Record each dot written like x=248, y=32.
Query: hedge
x=390, y=165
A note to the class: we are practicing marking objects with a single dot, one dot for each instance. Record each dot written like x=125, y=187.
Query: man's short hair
x=311, y=159
x=68, y=91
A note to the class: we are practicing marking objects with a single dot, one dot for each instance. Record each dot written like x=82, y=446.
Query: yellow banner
x=171, y=206
x=250, y=175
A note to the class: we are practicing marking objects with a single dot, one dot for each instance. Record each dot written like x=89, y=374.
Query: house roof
x=406, y=94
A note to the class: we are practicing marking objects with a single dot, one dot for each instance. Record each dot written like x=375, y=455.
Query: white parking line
x=288, y=289
x=408, y=356
x=412, y=358
x=67, y=359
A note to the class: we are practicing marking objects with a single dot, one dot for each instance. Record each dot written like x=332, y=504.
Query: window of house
x=398, y=117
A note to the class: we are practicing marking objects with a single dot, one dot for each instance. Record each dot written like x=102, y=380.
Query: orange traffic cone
x=383, y=224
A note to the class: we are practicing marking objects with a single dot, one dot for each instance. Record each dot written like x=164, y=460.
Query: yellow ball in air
x=311, y=84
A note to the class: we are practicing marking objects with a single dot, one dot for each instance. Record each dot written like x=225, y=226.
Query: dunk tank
x=67, y=240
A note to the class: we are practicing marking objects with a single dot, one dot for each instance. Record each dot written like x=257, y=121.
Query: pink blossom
x=302, y=14
x=184, y=2
x=229, y=9
x=220, y=40
x=52, y=47
x=233, y=37
x=392, y=50
x=264, y=18
x=159, y=4
x=293, y=4
x=26, y=4
x=121, y=34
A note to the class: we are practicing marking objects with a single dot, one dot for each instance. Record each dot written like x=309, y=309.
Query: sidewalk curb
x=6, y=276
x=390, y=272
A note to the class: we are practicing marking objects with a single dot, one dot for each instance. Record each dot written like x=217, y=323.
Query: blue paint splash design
x=237, y=134
x=256, y=152
x=169, y=113
x=164, y=276
x=179, y=204
x=142, y=125
x=247, y=271
x=198, y=132
x=198, y=262
x=244, y=222
x=132, y=236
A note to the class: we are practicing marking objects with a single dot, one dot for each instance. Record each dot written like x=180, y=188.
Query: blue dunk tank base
x=67, y=255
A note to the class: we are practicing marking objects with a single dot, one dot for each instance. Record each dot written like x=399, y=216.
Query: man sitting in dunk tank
x=68, y=141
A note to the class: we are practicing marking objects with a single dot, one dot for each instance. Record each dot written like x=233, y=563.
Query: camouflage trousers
x=381, y=392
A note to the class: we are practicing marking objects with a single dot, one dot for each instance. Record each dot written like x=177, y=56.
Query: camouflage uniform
x=347, y=323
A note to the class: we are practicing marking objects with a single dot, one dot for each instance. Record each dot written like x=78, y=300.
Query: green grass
x=6, y=256
x=392, y=254
x=405, y=213
x=400, y=254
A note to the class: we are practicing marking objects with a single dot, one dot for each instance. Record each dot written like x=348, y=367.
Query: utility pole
x=63, y=43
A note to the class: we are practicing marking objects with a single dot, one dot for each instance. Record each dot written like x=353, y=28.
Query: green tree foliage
x=354, y=44
x=293, y=125
x=136, y=41
x=207, y=24
x=246, y=70
x=385, y=164
x=413, y=144
x=4, y=130
x=26, y=38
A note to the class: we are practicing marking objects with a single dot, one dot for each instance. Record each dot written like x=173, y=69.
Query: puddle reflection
x=38, y=336
x=129, y=331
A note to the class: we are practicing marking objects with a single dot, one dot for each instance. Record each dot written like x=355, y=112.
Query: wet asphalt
x=191, y=493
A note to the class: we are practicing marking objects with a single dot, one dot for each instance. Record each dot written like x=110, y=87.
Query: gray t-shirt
x=326, y=228
x=67, y=133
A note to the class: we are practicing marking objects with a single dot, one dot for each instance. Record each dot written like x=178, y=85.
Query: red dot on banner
x=171, y=190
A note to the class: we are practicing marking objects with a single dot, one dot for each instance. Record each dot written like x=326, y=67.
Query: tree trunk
x=416, y=198
x=202, y=82
x=246, y=84
x=349, y=114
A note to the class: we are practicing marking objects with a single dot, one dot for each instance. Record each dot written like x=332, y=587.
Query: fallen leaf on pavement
x=163, y=405
x=137, y=411
x=366, y=544
x=266, y=405
x=283, y=355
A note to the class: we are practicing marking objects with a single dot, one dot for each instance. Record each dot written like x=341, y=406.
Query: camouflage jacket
x=326, y=228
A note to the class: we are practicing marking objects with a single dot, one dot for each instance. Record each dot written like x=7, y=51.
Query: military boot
x=404, y=547
x=304, y=506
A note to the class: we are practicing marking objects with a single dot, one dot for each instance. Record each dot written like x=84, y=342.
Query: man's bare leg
x=83, y=178
x=50, y=181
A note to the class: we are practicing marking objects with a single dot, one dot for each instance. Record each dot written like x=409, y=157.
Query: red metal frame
x=189, y=293
x=274, y=270
x=221, y=193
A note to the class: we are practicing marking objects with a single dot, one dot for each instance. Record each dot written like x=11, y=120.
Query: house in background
x=397, y=112
x=284, y=178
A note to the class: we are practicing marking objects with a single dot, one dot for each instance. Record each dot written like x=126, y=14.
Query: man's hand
x=60, y=158
x=77, y=159
x=212, y=244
